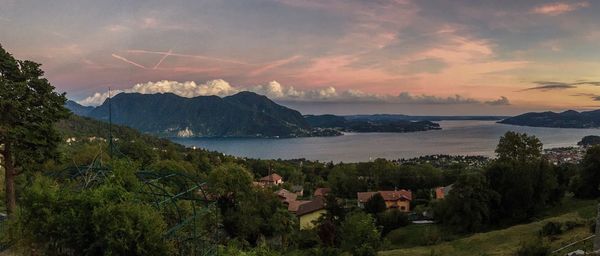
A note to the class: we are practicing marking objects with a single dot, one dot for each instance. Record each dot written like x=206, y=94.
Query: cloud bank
x=279, y=92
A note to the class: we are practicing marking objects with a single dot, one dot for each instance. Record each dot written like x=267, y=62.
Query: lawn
x=498, y=242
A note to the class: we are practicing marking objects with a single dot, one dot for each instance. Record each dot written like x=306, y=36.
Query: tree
x=229, y=181
x=392, y=219
x=103, y=220
x=589, y=177
x=525, y=181
x=519, y=147
x=29, y=107
x=375, y=204
x=468, y=206
x=359, y=235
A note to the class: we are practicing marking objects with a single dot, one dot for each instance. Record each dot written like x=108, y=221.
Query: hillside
x=83, y=127
x=507, y=241
x=566, y=119
x=363, y=124
x=244, y=114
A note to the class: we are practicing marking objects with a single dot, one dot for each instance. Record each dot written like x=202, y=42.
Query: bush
x=99, y=221
x=569, y=225
x=391, y=219
x=534, y=248
x=359, y=235
x=551, y=229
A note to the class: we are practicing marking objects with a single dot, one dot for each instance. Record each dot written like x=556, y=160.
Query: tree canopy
x=29, y=108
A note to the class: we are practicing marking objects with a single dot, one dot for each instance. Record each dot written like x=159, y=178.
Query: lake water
x=455, y=138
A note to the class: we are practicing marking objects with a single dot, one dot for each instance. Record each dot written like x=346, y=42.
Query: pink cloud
x=557, y=8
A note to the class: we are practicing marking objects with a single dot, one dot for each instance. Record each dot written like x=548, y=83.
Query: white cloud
x=277, y=91
x=502, y=101
x=406, y=97
x=188, y=89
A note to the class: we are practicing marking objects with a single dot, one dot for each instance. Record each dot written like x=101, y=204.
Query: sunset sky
x=340, y=56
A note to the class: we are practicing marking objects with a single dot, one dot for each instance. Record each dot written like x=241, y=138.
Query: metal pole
x=110, y=137
x=597, y=237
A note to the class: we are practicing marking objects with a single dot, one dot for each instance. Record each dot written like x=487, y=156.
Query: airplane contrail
x=163, y=58
x=274, y=64
x=189, y=56
x=128, y=61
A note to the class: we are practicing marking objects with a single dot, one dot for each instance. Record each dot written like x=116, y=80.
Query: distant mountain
x=369, y=124
x=78, y=109
x=567, y=119
x=245, y=114
x=396, y=117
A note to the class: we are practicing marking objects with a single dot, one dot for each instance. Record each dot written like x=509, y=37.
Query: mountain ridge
x=565, y=119
x=240, y=115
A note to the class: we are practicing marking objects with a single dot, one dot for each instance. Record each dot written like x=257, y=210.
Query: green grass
x=498, y=242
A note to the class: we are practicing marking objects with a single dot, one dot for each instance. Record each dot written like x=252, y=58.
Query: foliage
x=551, y=229
x=526, y=183
x=391, y=219
x=533, y=248
x=519, y=147
x=586, y=185
x=57, y=220
x=375, y=204
x=359, y=235
x=468, y=206
x=29, y=107
x=503, y=241
x=247, y=212
x=229, y=181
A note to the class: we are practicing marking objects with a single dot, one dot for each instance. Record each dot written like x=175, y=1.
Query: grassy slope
x=507, y=241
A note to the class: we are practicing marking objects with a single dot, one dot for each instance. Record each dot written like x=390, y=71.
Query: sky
x=437, y=57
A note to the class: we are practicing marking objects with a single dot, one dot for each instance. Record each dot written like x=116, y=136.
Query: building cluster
x=565, y=155
x=310, y=210
x=307, y=211
x=448, y=161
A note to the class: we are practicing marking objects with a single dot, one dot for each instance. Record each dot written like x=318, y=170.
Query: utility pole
x=110, y=137
x=597, y=237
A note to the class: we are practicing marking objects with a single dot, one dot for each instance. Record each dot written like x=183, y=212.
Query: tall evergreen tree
x=29, y=107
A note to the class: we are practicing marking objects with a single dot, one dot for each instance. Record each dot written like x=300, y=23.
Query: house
x=299, y=190
x=322, y=192
x=286, y=196
x=271, y=180
x=394, y=199
x=441, y=192
x=309, y=212
x=294, y=205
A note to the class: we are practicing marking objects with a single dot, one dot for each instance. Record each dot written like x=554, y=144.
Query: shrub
x=359, y=235
x=551, y=229
x=534, y=248
x=391, y=219
x=572, y=224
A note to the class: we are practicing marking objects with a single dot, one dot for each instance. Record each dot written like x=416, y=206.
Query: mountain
x=245, y=114
x=396, y=117
x=78, y=109
x=566, y=119
x=369, y=124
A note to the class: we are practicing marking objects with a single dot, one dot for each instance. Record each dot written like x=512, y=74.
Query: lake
x=455, y=138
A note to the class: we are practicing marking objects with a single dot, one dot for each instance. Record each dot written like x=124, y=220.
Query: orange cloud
x=554, y=9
